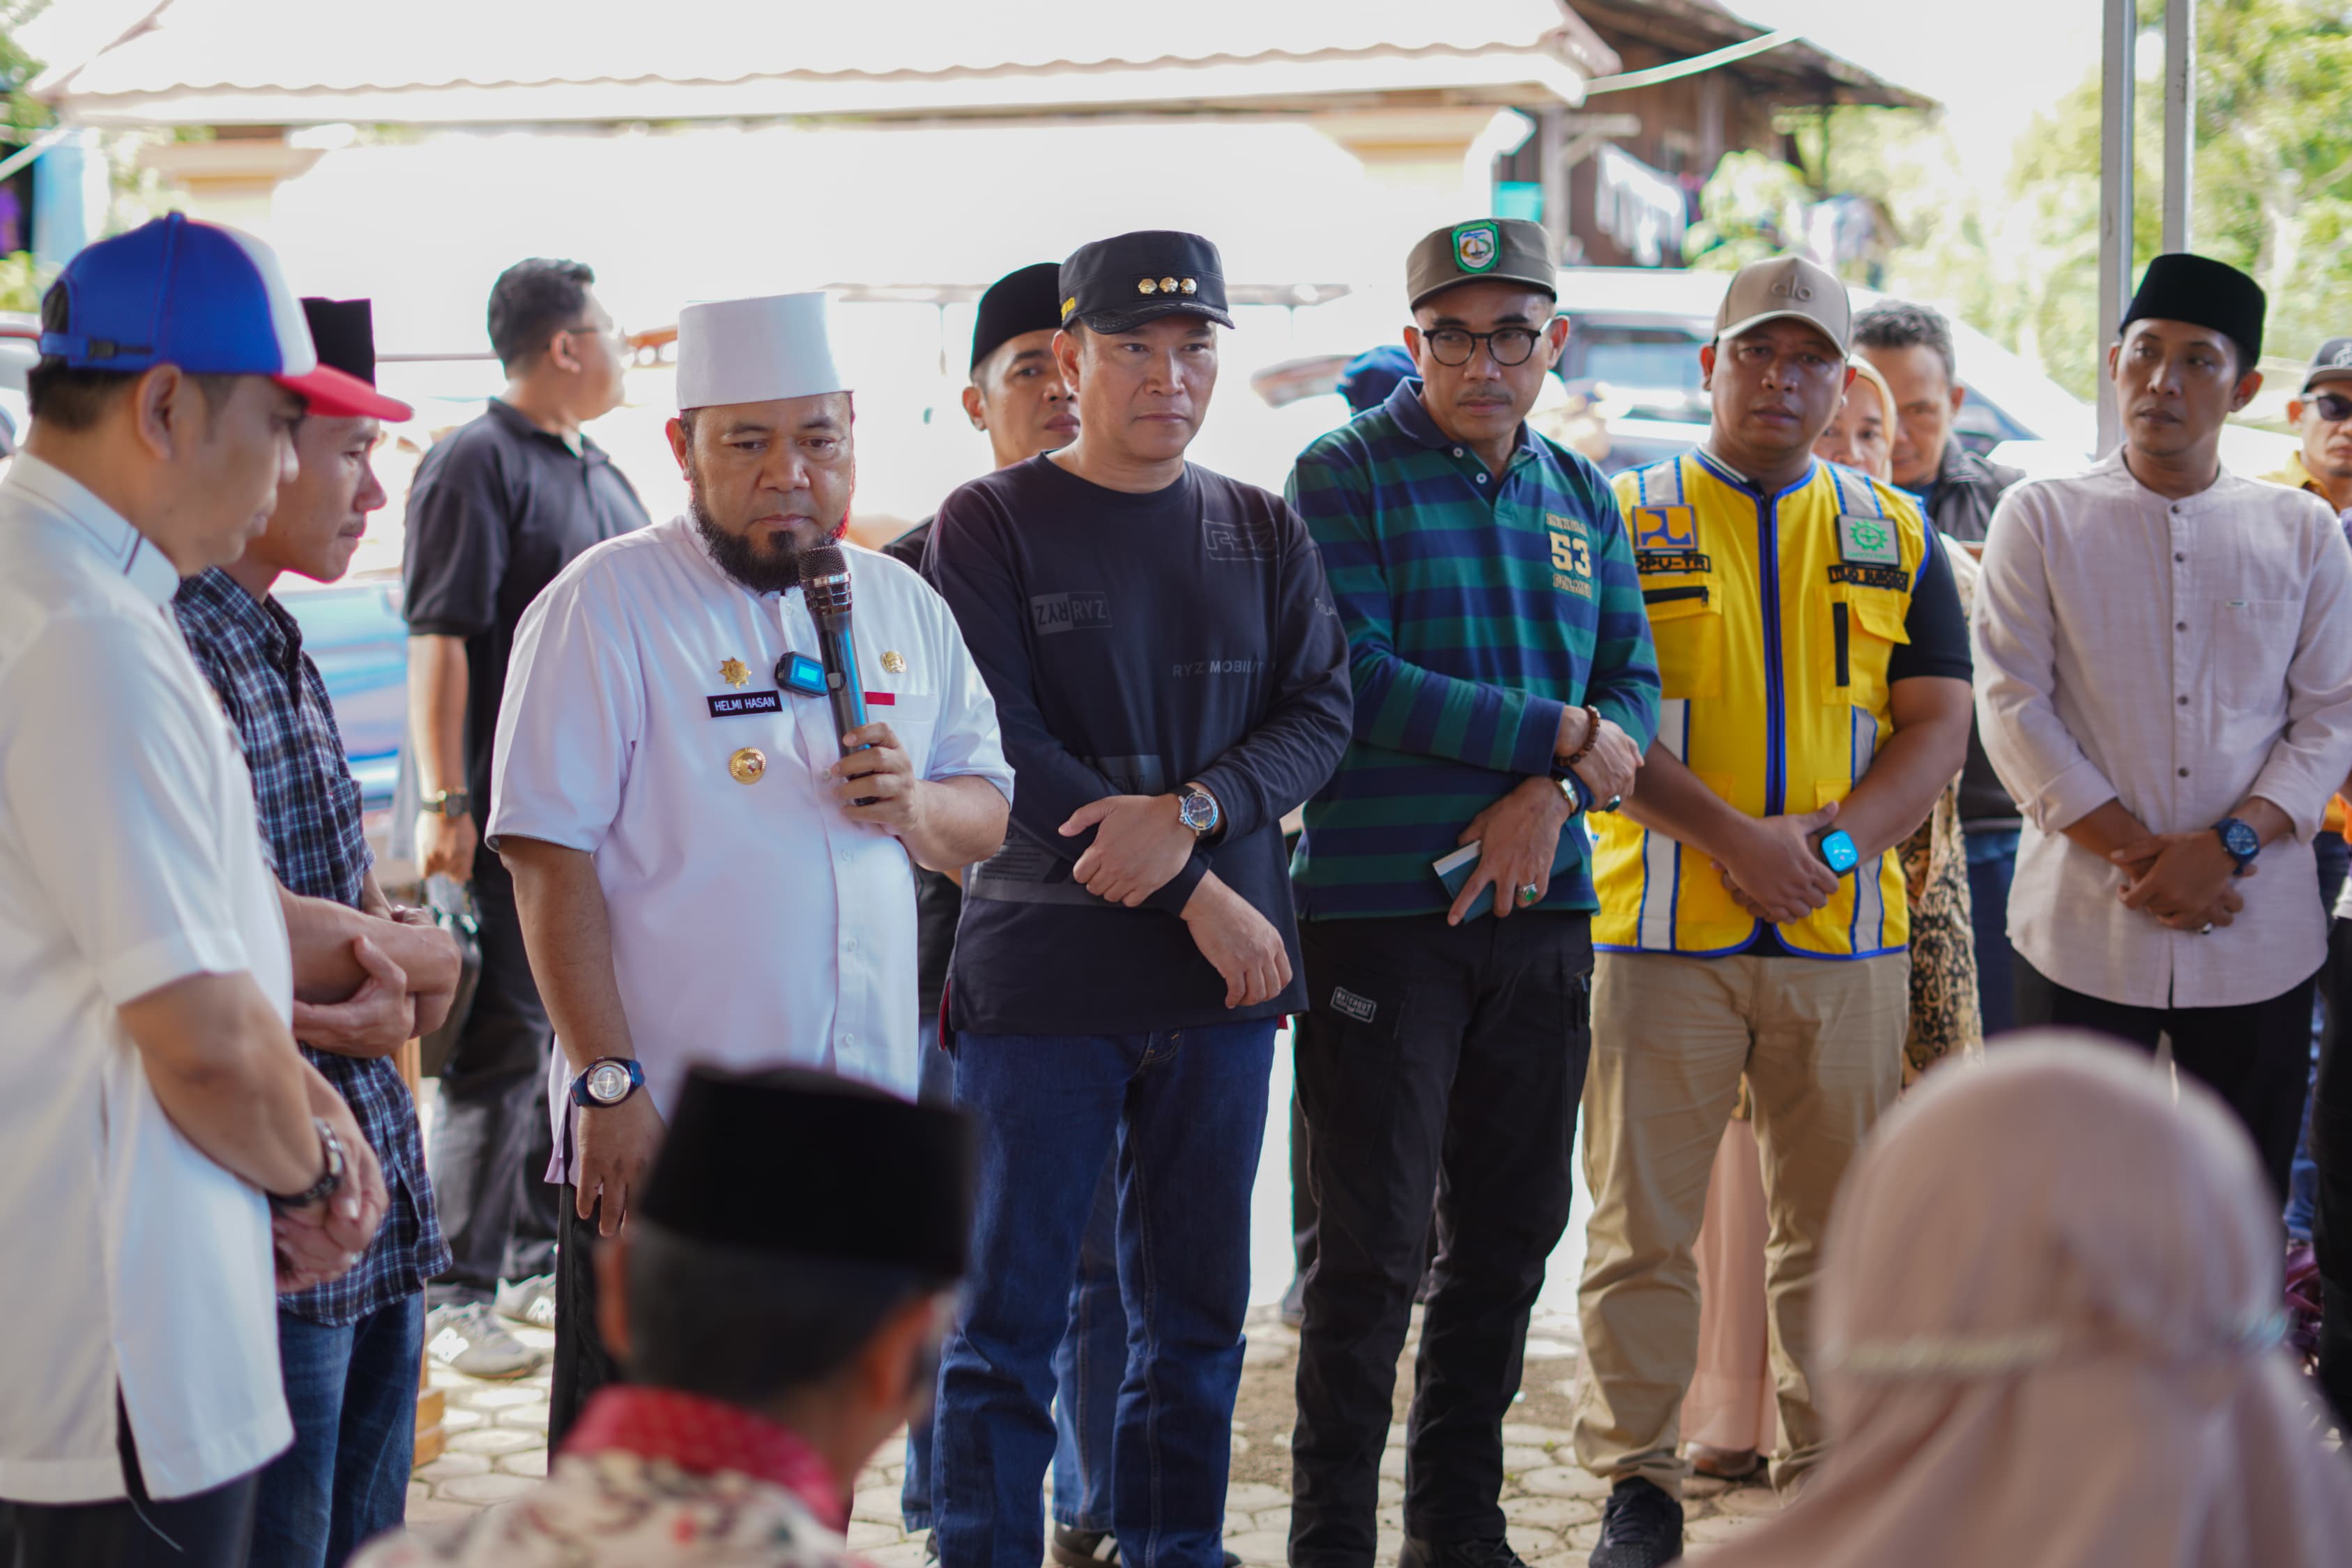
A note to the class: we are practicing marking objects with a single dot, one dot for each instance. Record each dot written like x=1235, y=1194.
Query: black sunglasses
x=2333, y=407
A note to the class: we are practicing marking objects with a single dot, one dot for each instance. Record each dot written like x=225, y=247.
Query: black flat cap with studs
x=1117, y=284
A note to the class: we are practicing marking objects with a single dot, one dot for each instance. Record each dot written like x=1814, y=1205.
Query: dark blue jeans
x=1184, y=1111
x=1087, y=1364
x=351, y=1391
x=1992, y=866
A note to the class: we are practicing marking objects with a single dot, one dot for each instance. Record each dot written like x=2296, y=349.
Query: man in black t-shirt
x=1169, y=679
x=499, y=507
x=1018, y=399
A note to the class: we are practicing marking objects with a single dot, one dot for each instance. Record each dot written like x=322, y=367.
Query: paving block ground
x=497, y=1447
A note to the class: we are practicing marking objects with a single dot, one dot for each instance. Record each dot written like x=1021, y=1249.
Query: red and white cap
x=207, y=298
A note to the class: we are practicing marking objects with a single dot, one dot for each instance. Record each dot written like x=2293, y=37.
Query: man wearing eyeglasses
x=499, y=506
x=1503, y=681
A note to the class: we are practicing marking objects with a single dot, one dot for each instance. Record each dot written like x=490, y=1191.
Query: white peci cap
x=754, y=351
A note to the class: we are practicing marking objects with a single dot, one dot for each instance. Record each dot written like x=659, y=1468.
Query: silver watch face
x=608, y=1082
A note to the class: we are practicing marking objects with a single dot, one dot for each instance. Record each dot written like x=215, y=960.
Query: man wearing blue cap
x=1170, y=679
x=155, y=1112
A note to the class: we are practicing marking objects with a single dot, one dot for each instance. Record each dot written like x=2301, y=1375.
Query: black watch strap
x=330, y=1148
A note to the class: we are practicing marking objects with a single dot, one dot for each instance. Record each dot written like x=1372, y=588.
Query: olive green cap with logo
x=1485, y=250
x=1786, y=289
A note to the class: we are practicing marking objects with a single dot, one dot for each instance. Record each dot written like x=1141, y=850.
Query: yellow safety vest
x=1774, y=618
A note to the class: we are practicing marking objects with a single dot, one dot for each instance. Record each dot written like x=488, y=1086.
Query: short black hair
x=1899, y=324
x=67, y=397
x=531, y=301
x=748, y=1326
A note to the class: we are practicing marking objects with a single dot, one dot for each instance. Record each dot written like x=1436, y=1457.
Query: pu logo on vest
x=1052, y=613
x=1664, y=528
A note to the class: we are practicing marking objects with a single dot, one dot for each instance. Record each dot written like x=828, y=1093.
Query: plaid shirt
x=1477, y=606
x=308, y=803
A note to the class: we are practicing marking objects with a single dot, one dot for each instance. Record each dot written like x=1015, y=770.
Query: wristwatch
x=446, y=803
x=1572, y=789
x=332, y=1147
x=2241, y=842
x=607, y=1080
x=1197, y=810
x=1837, y=850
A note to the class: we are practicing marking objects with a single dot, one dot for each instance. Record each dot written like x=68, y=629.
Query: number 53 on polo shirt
x=1571, y=554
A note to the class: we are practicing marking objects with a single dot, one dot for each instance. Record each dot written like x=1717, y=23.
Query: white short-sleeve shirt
x=753, y=925
x=128, y=859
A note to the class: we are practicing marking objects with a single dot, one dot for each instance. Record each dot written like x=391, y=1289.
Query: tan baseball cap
x=1787, y=288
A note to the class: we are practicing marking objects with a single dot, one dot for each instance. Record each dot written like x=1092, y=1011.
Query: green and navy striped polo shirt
x=1477, y=606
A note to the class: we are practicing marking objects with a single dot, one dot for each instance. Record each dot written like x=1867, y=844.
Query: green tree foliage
x=2274, y=188
x=26, y=117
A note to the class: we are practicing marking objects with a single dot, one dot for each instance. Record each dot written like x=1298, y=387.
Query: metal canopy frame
x=2118, y=92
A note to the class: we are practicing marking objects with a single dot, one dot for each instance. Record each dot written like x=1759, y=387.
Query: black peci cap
x=345, y=331
x=1116, y=284
x=2180, y=286
x=1026, y=300
x=811, y=1165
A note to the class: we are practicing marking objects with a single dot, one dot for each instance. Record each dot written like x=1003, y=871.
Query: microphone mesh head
x=824, y=579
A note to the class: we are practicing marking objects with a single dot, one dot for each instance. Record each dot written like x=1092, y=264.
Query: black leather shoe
x=1640, y=1528
x=1495, y=1553
x=1096, y=1548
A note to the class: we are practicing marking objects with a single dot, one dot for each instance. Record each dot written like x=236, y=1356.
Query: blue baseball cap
x=1371, y=375
x=205, y=298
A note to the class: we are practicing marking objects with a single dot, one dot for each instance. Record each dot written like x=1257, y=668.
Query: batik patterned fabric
x=652, y=1476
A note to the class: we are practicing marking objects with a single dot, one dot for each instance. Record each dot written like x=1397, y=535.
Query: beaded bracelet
x=1591, y=734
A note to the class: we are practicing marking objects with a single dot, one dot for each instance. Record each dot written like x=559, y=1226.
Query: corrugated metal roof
x=188, y=49
x=1801, y=71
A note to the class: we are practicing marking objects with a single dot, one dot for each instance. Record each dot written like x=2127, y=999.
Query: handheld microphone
x=825, y=588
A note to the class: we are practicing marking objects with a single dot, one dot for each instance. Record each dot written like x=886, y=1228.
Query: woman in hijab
x=2066, y=1355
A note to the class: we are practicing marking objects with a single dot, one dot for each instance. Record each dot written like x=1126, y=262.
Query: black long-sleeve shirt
x=1134, y=642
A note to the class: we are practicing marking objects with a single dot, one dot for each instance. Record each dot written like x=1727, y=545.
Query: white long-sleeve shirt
x=2177, y=656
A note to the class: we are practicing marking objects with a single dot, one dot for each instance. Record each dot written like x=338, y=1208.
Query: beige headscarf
x=2048, y=1316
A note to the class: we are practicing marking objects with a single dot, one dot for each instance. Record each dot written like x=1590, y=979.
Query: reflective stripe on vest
x=1774, y=619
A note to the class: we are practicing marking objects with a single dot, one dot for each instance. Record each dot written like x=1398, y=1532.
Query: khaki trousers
x=1821, y=1042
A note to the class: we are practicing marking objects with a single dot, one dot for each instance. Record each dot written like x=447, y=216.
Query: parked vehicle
x=354, y=630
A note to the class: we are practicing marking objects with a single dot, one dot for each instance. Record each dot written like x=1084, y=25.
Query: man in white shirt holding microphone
x=708, y=867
